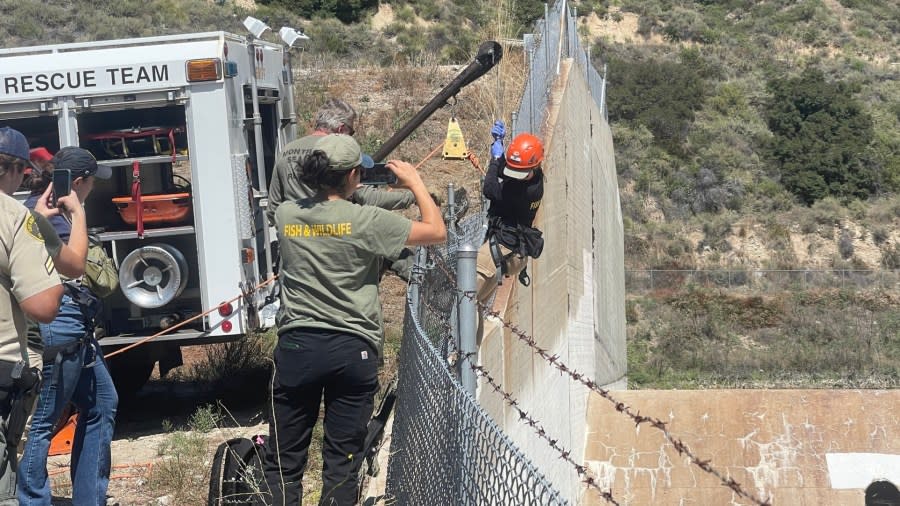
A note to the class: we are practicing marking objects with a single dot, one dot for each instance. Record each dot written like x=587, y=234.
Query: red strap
x=172, y=143
x=136, y=197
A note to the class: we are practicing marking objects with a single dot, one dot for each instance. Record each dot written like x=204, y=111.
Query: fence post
x=415, y=282
x=451, y=203
x=530, y=89
x=465, y=279
x=603, y=94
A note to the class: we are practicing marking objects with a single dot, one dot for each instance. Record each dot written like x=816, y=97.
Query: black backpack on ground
x=237, y=473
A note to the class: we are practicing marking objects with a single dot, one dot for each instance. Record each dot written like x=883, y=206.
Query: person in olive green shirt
x=330, y=332
x=334, y=117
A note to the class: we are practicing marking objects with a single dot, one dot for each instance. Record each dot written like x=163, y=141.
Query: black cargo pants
x=310, y=363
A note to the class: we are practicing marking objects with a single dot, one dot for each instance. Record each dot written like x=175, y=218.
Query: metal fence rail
x=761, y=280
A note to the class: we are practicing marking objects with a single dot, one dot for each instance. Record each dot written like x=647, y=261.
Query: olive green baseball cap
x=343, y=152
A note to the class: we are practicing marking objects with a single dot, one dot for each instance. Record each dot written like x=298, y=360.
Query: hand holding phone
x=407, y=175
x=62, y=184
x=379, y=174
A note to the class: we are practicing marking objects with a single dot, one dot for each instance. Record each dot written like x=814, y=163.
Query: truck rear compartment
x=152, y=269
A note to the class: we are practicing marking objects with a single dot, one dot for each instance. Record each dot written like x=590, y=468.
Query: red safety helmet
x=525, y=153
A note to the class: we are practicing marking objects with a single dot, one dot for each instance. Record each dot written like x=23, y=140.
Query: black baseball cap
x=81, y=162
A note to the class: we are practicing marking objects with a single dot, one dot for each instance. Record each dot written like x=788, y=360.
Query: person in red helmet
x=514, y=187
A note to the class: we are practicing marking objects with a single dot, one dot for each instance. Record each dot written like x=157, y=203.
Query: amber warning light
x=207, y=69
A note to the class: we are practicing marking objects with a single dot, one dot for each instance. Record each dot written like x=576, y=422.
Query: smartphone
x=379, y=174
x=62, y=183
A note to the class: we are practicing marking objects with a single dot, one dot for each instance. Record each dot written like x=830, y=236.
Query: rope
x=429, y=155
x=475, y=163
x=185, y=322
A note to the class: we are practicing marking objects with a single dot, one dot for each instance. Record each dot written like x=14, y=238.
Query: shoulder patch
x=31, y=227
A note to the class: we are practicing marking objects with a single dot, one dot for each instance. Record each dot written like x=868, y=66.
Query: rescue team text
x=318, y=230
x=83, y=79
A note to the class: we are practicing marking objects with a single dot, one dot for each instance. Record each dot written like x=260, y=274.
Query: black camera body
x=379, y=174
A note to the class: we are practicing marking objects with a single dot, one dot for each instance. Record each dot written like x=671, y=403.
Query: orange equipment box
x=166, y=208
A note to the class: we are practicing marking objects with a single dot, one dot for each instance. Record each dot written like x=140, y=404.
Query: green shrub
x=828, y=211
x=405, y=14
x=662, y=96
x=890, y=256
x=632, y=312
x=347, y=11
x=845, y=244
x=699, y=338
x=820, y=137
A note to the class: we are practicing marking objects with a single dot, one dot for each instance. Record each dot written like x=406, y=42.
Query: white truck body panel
x=73, y=94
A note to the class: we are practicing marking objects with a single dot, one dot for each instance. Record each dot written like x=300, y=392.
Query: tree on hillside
x=821, y=135
x=526, y=12
x=662, y=96
x=348, y=11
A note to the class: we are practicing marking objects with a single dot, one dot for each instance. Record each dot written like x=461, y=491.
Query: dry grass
x=714, y=338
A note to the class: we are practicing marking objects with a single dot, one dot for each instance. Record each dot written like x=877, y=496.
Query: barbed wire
x=564, y=454
x=621, y=407
x=535, y=425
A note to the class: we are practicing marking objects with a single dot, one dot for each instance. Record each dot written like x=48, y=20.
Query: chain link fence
x=761, y=280
x=555, y=37
x=596, y=82
x=446, y=449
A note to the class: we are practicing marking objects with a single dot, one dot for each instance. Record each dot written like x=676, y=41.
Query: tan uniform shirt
x=26, y=269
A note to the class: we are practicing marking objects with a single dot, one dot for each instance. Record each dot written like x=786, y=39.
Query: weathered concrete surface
x=794, y=447
x=575, y=306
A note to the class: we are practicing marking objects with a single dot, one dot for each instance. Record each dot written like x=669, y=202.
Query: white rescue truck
x=185, y=122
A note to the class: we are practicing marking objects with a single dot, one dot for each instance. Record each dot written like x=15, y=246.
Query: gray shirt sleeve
x=391, y=200
x=276, y=191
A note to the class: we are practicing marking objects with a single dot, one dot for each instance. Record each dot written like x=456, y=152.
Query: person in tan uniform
x=29, y=288
x=334, y=117
x=68, y=257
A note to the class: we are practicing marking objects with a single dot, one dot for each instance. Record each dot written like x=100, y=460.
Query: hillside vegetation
x=757, y=135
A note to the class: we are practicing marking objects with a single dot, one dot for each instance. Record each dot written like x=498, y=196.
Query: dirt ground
x=147, y=423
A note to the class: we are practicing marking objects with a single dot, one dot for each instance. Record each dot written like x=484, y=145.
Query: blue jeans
x=82, y=378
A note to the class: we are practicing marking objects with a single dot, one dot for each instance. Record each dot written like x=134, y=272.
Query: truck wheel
x=129, y=374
